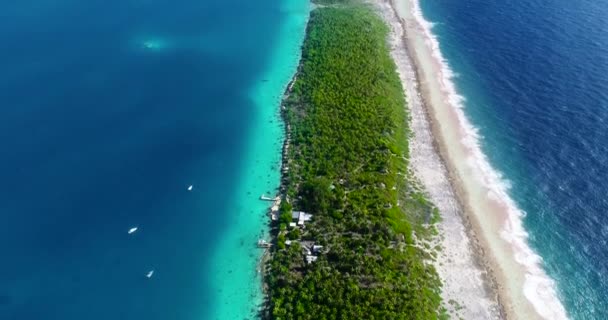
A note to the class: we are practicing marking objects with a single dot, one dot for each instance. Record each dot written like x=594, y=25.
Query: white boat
x=149, y=275
x=190, y=188
x=132, y=230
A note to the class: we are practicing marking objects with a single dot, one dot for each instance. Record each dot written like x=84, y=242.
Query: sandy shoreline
x=485, y=264
x=465, y=278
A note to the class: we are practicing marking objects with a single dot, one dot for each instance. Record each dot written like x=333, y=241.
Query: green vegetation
x=347, y=163
x=333, y=2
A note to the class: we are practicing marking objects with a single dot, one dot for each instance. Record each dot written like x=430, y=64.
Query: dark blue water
x=108, y=111
x=535, y=75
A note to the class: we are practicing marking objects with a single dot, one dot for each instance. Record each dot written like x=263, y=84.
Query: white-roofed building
x=301, y=216
x=311, y=259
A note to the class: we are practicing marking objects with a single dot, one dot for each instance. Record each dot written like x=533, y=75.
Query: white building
x=301, y=216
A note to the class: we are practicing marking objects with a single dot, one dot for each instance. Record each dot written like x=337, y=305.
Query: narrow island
x=352, y=229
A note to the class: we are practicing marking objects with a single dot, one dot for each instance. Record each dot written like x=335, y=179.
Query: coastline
x=236, y=275
x=464, y=275
x=486, y=261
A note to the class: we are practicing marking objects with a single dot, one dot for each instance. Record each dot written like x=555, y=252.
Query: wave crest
x=538, y=287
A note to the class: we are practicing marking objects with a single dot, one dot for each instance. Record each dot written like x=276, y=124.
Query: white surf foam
x=538, y=287
x=463, y=280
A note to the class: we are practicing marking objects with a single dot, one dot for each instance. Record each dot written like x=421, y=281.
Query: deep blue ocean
x=109, y=110
x=535, y=77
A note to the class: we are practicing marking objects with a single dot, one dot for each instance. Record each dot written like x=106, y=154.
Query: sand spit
x=466, y=285
x=488, y=270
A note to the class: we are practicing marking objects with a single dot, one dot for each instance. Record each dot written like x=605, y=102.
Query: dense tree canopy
x=348, y=167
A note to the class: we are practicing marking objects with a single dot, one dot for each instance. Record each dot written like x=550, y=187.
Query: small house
x=310, y=259
x=301, y=216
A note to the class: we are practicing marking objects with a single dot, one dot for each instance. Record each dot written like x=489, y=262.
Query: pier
x=265, y=198
x=264, y=244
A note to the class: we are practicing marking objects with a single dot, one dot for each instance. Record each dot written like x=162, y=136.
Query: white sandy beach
x=486, y=264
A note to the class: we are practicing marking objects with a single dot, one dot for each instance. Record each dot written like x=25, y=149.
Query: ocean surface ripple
x=535, y=78
x=110, y=110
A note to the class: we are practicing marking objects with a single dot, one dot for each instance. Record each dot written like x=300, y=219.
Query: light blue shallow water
x=535, y=76
x=108, y=111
